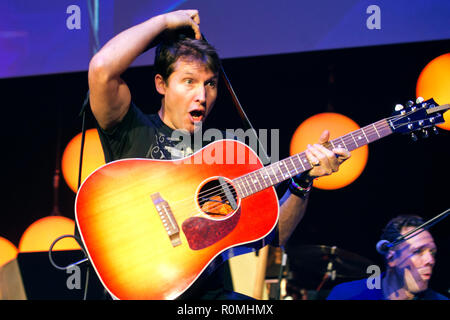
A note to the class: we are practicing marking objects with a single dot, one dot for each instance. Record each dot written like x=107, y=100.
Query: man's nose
x=428, y=258
x=200, y=96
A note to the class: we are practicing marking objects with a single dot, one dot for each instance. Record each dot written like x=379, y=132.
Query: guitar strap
x=248, y=126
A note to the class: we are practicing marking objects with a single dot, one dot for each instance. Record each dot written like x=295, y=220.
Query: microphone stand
x=424, y=227
x=331, y=271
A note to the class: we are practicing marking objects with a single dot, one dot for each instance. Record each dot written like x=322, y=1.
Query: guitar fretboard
x=277, y=172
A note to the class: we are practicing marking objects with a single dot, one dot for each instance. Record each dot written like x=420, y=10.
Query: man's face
x=414, y=260
x=189, y=94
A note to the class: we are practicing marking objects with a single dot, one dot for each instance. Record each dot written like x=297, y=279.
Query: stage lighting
x=8, y=251
x=40, y=235
x=434, y=82
x=309, y=132
x=92, y=158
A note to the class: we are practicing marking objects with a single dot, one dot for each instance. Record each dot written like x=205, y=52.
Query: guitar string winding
x=218, y=187
x=213, y=191
x=218, y=191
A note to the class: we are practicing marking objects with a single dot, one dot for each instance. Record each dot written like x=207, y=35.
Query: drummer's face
x=414, y=260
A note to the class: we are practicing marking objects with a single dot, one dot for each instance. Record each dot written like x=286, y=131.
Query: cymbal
x=320, y=258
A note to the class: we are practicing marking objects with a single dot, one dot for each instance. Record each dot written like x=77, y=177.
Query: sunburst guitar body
x=151, y=227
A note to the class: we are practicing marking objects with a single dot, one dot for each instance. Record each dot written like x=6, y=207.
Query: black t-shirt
x=140, y=135
x=144, y=136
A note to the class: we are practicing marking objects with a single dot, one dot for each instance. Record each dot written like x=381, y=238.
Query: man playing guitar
x=186, y=78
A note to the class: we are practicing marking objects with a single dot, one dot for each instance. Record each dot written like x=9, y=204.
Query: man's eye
x=188, y=81
x=212, y=84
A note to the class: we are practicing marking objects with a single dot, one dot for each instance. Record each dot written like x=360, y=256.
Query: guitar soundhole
x=217, y=199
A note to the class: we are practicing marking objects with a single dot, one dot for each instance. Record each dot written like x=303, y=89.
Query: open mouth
x=197, y=115
x=426, y=276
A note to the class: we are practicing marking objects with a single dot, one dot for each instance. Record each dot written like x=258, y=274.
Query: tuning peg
x=419, y=100
x=425, y=133
x=410, y=103
x=413, y=136
x=398, y=107
x=435, y=130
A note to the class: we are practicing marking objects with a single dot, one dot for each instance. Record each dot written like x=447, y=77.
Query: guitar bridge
x=167, y=219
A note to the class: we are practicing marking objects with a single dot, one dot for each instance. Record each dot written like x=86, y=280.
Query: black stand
x=424, y=226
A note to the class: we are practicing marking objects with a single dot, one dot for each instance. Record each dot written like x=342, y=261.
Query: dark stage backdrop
x=55, y=36
x=276, y=91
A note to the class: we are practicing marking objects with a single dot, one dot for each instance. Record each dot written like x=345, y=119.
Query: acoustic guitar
x=152, y=227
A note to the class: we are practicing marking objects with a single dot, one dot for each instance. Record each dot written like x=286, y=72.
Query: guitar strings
x=370, y=131
x=215, y=190
x=348, y=139
x=212, y=191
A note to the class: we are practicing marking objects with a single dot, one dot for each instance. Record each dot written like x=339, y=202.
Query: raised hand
x=183, y=18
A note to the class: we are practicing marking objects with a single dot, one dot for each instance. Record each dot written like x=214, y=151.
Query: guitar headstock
x=417, y=118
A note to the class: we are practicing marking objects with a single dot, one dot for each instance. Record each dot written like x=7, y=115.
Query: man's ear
x=160, y=84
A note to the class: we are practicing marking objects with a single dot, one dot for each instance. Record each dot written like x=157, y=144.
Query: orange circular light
x=40, y=235
x=434, y=82
x=92, y=158
x=8, y=251
x=338, y=125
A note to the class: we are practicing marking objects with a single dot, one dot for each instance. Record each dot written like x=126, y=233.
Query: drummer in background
x=409, y=267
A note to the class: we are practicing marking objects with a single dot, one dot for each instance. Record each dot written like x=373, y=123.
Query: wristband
x=295, y=187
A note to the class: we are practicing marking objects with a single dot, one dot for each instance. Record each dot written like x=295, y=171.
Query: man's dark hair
x=170, y=50
x=394, y=227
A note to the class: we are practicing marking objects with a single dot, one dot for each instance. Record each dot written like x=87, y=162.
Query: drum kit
x=311, y=271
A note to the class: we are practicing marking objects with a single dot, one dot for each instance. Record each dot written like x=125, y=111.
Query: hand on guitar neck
x=324, y=160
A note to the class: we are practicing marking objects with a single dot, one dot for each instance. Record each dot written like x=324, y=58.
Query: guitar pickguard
x=202, y=232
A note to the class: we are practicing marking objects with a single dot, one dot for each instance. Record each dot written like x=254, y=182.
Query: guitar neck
x=282, y=170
